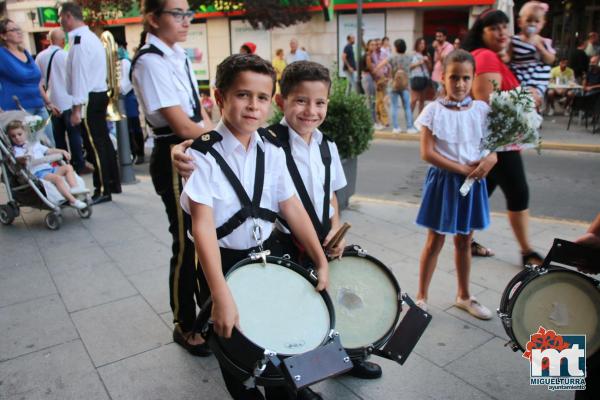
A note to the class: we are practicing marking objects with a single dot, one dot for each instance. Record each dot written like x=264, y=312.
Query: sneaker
x=412, y=131
x=550, y=111
x=79, y=190
x=378, y=127
x=422, y=305
x=473, y=307
x=78, y=204
x=396, y=130
x=567, y=112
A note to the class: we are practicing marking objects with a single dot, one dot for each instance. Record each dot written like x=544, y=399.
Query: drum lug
x=286, y=257
x=513, y=346
x=312, y=274
x=360, y=251
x=260, y=255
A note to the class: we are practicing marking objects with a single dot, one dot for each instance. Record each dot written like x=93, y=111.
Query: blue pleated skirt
x=444, y=210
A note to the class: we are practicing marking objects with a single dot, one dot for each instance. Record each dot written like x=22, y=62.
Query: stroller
x=26, y=190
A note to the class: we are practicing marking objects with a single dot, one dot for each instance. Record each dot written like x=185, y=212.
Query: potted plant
x=349, y=124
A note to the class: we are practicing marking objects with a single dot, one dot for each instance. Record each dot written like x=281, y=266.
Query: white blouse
x=458, y=134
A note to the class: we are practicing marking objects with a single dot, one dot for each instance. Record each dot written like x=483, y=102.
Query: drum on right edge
x=556, y=298
x=367, y=301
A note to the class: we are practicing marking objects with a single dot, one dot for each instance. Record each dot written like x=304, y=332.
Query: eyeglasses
x=180, y=15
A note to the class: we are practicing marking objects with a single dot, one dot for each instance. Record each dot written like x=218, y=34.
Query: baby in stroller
x=26, y=153
x=31, y=181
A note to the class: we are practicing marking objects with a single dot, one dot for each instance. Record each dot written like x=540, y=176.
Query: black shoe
x=98, y=198
x=115, y=188
x=365, y=370
x=308, y=394
x=200, y=350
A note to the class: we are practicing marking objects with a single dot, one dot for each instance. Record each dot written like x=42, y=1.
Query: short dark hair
x=474, y=38
x=400, y=45
x=233, y=65
x=442, y=30
x=72, y=8
x=303, y=71
x=459, y=56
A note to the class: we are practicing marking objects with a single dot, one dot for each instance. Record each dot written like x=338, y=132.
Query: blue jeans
x=368, y=85
x=351, y=76
x=43, y=113
x=405, y=94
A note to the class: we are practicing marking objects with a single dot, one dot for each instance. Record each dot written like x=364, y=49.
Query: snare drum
x=367, y=301
x=554, y=297
x=280, y=312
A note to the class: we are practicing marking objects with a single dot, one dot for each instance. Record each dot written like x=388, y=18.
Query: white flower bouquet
x=512, y=121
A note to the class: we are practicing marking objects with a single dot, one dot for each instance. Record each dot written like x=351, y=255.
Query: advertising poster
x=196, y=47
x=374, y=25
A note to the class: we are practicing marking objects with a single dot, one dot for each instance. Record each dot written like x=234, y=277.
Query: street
x=562, y=184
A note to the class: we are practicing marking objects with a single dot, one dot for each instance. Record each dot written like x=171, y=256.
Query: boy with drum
x=231, y=159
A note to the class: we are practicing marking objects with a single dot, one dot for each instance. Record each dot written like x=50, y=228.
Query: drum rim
x=507, y=304
x=285, y=263
x=357, y=251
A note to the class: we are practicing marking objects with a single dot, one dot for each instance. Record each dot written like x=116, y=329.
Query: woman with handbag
x=420, y=78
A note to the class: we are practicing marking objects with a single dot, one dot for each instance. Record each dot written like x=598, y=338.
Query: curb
x=588, y=148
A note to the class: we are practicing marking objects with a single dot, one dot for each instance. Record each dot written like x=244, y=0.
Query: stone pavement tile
x=17, y=251
x=442, y=290
x=74, y=258
x=491, y=300
x=64, y=248
x=448, y=338
x=137, y=202
x=116, y=230
x=386, y=255
x=154, y=286
x=156, y=224
x=139, y=254
x=417, y=379
x=72, y=233
x=62, y=372
x=376, y=230
x=118, y=330
x=24, y=282
x=334, y=389
x=502, y=373
x=90, y=286
x=162, y=373
x=552, y=230
x=492, y=273
x=404, y=214
x=34, y=325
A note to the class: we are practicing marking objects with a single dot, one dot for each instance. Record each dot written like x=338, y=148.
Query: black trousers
x=99, y=148
x=136, y=136
x=62, y=125
x=509, y=174
x=236, y=388
x=183, y=275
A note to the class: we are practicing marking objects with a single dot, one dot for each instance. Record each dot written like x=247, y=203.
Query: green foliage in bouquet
x=512, y=120
x=348, y=120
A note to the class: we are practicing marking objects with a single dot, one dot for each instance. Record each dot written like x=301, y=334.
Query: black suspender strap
x=326, y=159
x=197, y=104
x=150, y=49
x=49, y=69
x=322, y=228
x=250, y=208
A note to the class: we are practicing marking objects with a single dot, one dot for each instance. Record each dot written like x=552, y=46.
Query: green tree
x=98, y=12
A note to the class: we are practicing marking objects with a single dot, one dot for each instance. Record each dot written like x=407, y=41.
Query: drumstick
x=337, y=238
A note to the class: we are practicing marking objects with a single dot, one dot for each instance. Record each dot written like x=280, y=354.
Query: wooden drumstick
x=337, y=238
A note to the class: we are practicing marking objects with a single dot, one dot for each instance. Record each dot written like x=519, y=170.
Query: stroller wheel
x=53, y=221
x=85, y=213
x=7, y=214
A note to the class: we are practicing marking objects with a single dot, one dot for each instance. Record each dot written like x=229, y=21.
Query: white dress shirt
x=57, y=87
x=125, y=85
x=86, y=65
x=208, y=184
x=307, y=157
x=163, y=81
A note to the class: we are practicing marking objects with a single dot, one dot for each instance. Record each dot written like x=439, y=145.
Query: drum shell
x=240, y=355
x=359, y=353
x=515, y=287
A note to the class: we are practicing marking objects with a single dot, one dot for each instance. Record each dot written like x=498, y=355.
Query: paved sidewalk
x=84, y=311
x=554, y=134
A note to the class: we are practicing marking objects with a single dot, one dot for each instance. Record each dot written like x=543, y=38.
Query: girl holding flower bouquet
x=487, y=38
x=452, y=131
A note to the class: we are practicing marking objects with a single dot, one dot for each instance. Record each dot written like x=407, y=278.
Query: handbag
x=420, y=83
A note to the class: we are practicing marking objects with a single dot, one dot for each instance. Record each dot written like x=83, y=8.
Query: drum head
x=564, y=301
x=365, y=299
x=279, y=309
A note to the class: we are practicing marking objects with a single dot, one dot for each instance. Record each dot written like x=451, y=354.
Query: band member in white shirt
x=86, y=82
x=53, y=64
x=165, y=86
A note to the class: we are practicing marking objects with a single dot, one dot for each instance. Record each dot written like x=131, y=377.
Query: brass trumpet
x=113, y=76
